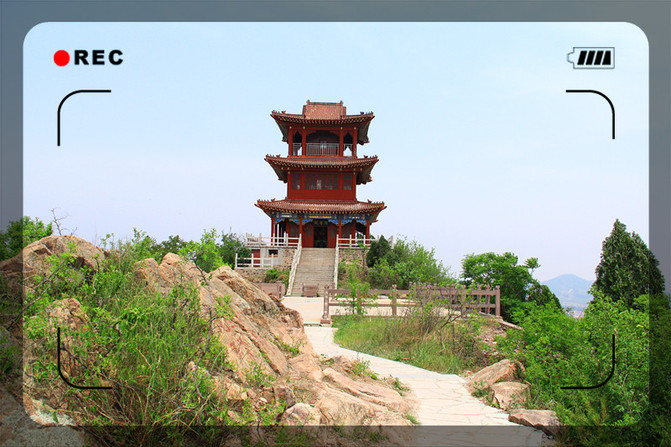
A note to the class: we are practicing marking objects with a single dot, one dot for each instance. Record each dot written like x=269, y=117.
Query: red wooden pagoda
x=322, y=172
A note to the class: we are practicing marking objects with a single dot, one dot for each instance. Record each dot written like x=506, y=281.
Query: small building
x=322, y=171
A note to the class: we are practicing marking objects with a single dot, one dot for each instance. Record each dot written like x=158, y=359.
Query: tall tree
x=517, y=284
x=628, y=269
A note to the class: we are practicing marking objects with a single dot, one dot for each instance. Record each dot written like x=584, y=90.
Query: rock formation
x=256, y=335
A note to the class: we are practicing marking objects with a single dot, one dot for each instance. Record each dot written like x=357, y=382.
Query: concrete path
x=454, y=416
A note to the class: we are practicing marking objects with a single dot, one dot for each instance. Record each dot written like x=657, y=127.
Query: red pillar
x=291, y=142
x=304, y=141
x=354, y=140
x=341, y=147
x=368, y=229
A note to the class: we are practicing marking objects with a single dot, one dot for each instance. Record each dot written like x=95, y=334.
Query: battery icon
x=592, y=57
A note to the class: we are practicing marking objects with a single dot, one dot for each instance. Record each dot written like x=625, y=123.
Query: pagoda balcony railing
x=323, y=149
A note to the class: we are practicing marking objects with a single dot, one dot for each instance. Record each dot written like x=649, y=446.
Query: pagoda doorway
x=321, y=239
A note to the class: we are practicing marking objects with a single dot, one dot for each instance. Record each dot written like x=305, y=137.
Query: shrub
x=21, y=233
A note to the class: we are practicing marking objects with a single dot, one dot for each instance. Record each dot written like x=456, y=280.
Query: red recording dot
x=61, y=58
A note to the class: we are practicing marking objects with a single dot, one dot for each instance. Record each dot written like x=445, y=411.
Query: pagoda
x=322, y=172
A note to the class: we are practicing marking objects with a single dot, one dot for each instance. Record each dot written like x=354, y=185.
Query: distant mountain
x=571, y=290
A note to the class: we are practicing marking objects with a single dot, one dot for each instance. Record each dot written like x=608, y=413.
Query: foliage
x=257, y=377
x=516, y=281
x=204, y=253
x=560, y=351
x=142, y=343
x=21, y=233
x=379, y=250
x=358, y=289
x=628, y=268
x=274, y=274
x=406, y=262
x=232, y=244
x=209, y=253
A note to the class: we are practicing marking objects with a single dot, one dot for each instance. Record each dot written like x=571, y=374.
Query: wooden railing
x=451, y=297
x=352, y=242
x=294, y=266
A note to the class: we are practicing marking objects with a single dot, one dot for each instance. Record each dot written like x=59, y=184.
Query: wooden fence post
x=326, y=318
x=498, y=301
x=393, y=300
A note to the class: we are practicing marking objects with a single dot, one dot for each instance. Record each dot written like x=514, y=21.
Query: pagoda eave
x=316, y=207
x=361, y=166
x=285, y=120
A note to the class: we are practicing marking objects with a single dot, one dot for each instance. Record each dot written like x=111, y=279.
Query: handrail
x=255, y=262
x=353, y=242
x=294, y=266
x=337, y=260
x=462, y=298
x=271, y=241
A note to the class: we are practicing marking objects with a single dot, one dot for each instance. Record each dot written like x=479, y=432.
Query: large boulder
x=301, y=414
x=504, y=371
x=545, y=420
x=506, y=394
x=33, y=258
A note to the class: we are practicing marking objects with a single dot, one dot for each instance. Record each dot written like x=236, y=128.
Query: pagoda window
x=310, y=181
x=347, y=182
x=348, y=143
x=331, y=181
x=296, y=181
x=297, y=146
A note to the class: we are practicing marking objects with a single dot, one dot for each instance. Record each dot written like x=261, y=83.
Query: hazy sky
x=481, y=148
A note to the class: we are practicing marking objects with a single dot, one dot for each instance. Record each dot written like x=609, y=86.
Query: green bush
x=274, y=275
x=21, y=233
x=559, y=351
x=137, y=341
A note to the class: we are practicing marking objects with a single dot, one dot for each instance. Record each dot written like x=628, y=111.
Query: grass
x=440, y=350
x=142, y=343
x=412, y=419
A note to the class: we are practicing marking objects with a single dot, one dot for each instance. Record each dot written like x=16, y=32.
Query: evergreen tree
x=628, y=269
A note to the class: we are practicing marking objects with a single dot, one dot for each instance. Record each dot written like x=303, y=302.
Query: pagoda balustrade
x=271, y=241
x=352, y=242
x=323, y=149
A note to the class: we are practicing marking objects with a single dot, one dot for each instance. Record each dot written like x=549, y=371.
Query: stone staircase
x=315, y=268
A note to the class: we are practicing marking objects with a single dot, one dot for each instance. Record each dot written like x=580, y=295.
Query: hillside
x=571, y=290
x=181, y=351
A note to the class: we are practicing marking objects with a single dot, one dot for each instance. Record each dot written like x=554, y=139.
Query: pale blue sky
x=481, y=149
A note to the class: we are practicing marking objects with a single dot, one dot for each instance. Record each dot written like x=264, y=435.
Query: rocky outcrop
x=505, y=370
x=259, y=333
x=545, y=420
x=301, y=414
x=507, y=394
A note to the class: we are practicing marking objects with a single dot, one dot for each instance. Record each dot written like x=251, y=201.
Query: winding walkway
x=446, y=410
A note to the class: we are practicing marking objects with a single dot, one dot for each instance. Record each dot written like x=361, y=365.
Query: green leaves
x=518, y=287
x=628, y=269
x=21, y=233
